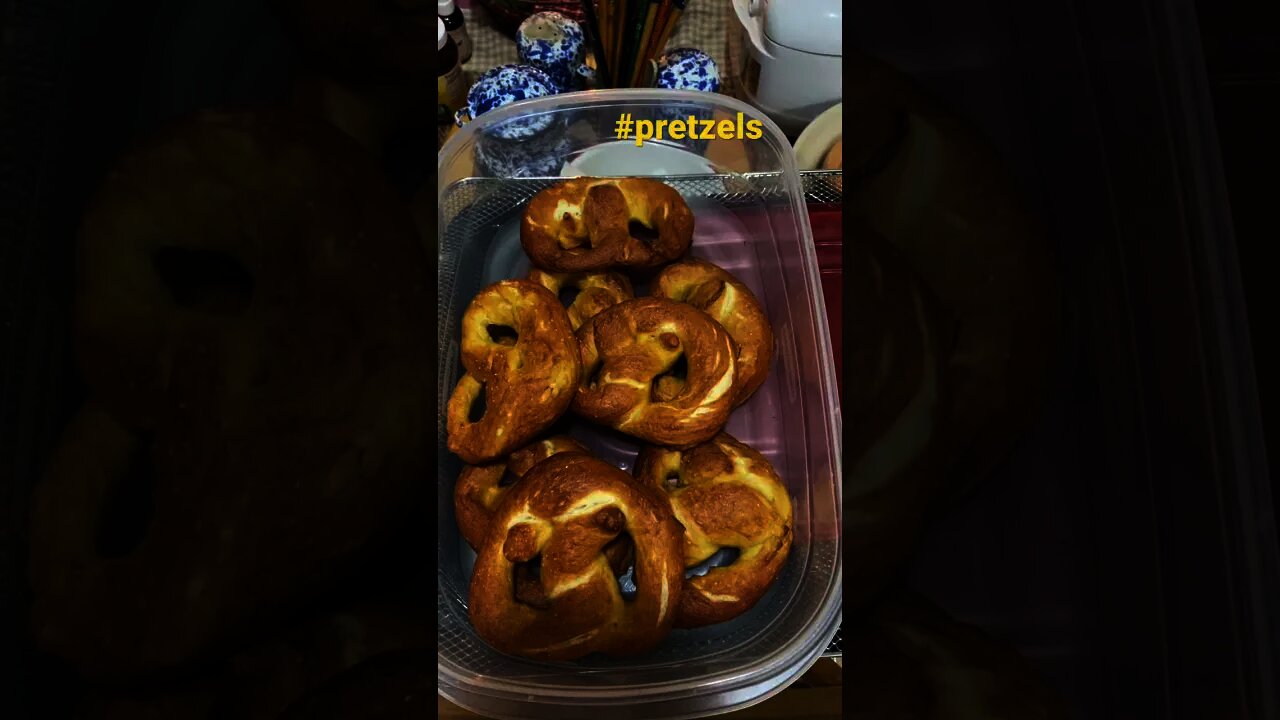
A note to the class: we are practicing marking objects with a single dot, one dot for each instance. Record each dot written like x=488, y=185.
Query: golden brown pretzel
x=480, y=488
x=519, y=350
x=586, y=225
x=561, y=516
x=713, y=290
x=629, y=353
x=596, y=291
x=725, y=494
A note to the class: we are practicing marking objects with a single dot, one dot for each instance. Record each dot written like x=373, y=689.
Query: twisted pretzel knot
x=596, y=291
x=563, y=513
x=528, y=380
x=725, y=494
x=480, y=488
x=628, y=354
x=586, y=224
x=711, y=289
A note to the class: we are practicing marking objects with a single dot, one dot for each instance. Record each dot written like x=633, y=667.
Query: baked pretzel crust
x=725, y=494
x=480, y=488
x=719, y=294
x=582, y=225
x=528, y=381
x=565, y=511
x=628, y=352
x=596, y=291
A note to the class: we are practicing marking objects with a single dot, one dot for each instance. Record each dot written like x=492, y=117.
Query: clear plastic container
x=750, y=218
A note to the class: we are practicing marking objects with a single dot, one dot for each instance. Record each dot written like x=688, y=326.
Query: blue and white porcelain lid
x=687, y=69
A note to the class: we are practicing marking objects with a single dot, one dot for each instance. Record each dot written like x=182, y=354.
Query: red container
x=827, y=221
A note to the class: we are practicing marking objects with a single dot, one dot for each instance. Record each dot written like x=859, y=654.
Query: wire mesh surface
x=825, y=186
x=822, y=186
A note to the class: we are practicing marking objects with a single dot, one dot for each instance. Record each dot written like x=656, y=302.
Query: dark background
x=91, y=121
x=1242, y=56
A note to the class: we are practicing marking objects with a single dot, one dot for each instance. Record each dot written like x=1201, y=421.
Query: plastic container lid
x=442, y=36
x=750, y=218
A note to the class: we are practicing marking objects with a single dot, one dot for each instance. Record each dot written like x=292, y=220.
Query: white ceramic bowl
x=812, y=145
x=624, y=159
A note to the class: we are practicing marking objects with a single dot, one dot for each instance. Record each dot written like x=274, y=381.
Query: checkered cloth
x=703, y=25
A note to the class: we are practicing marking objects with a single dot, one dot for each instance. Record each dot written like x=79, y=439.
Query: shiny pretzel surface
x=658, y=370
x=595, y=224
x=521, y=362
x=480, y=488
x=729, y=302
x=542, y=587
x=595, y=291
x=725, y=495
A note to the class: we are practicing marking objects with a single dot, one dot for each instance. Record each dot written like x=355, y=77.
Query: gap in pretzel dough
x=204, y=281
x=642, y=232
x=478, y=406
x=668, y=384
x=127, y=509
x=724, y=557
x=502, y=334
x=568, y=294
x=527, y=583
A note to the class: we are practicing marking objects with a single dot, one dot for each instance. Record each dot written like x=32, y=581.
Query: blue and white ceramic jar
x=543, y=156
x=504, y=85
x=687, y=69
x=555, y=44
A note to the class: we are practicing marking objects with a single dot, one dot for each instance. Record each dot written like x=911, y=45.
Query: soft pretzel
x=519, y=351
x=725, y=494
x=711, y=289
x=558, y=519
x=629, y=353
x=587, y=225
x=596, y=291
x=249, y=303
x=480, y=488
